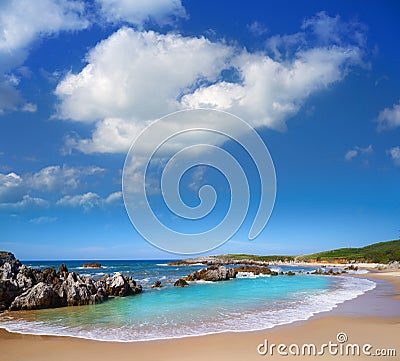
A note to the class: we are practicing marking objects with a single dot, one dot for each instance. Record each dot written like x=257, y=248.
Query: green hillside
x=383, y=252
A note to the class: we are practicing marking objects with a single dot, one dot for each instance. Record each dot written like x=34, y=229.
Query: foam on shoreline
x=300, y=307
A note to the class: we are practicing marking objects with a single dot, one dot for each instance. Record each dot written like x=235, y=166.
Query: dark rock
x=62, y=271
x=256, y=270
x=317, y=272
x=290, y=273
x=92, y=265
x=48, y=275
x=181, y=283
x=8, y=291
x=157, y=284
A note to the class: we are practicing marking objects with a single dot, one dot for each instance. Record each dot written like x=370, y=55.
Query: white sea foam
x=358, y=272
x=301, y=308
x=276, y=269
x=162, y=264
x=250, y=275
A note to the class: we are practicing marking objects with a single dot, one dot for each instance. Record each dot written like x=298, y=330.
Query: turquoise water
x=236, y=305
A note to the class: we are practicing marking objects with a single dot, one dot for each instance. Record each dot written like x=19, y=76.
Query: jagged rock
x=256, y=270
x=290, y=273
x=39, y=296
x=118, y=285
x=22, y=287
x=8, y=291
x=25, y=278
x=92, y=265
x=156, y=284
x=77, y=291
x=213, y=273
x=48, y=275
x=62, y=271
x=181, y=283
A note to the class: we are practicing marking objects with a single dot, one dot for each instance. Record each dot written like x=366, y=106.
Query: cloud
x=139, y=12
x=29, y=107
x=257, y=28
x=351, y=154
x=89, y=200
x=19, y=189
x=389, y=118
x=138, y=74
x=394, y=154
x=61, y=178
x=21, y=24
x=10, y=187
x=43, y=220
x=26, y=202
x=132, y=78
x=358, y=151
x=23, y=21
x=330, y=30
x=272, y=91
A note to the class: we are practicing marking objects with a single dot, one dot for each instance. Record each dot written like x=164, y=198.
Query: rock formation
x=92, y=265
x=213, y=273
x=156, y=284
x=181, y=283
x=24, y=288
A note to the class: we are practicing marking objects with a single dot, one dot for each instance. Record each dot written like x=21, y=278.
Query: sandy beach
x=376, y=325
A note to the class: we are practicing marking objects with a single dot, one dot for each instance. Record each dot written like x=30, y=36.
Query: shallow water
x=236, y=305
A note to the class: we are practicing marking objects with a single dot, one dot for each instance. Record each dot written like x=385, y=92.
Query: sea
x=246, y=303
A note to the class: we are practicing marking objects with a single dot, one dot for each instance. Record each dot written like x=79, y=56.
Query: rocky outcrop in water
x=119, y=285
x=255, y=270
x=92, y=265
x=156, y=284
x=24, y=288
x=213, y=273
x=181, y=283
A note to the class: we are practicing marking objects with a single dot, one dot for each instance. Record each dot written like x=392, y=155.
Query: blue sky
x=78, y=82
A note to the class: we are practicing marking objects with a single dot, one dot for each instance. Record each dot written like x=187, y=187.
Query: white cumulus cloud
x=138, y=74
x=23, y=190
x=89, y=200
x=134, y=77
x=61, y=178
x=389, y=118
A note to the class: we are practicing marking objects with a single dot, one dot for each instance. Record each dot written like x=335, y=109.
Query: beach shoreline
x=372, y=328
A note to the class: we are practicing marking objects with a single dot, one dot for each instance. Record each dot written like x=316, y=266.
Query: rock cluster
x=24, y=288
x=256, y=270
x=213, y=273
x=221, y=273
